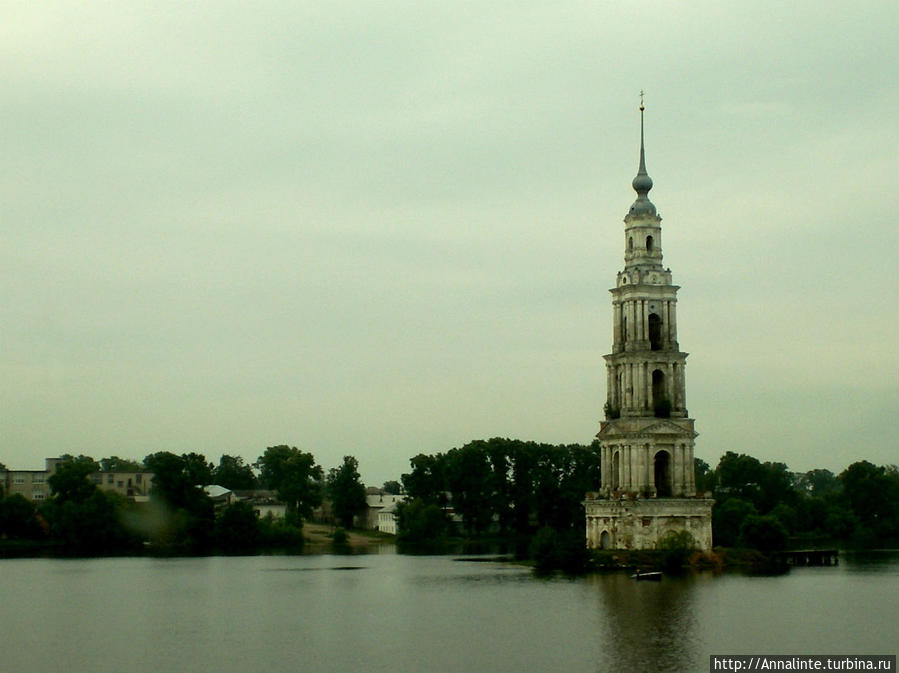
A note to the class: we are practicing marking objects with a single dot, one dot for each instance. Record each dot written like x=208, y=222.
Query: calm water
x=406, y=614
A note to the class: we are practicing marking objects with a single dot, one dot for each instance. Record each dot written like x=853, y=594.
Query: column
x=678, y=474
x=691, y=472
x=673, y=329
x=610, y=386
x=670, y=382
x=669, y=337
x=628, y=482
x=645, y=320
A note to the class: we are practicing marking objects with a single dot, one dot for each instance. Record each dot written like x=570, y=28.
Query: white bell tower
x=647, y=438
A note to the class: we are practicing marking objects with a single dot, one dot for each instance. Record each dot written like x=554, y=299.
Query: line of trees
x=496, y=487
x=762, y=504
x=499, y=487
x=180, y=517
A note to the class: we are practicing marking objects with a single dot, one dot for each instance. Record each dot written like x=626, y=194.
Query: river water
x=419, y=614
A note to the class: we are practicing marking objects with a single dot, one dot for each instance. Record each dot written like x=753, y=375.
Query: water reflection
x=646, y=626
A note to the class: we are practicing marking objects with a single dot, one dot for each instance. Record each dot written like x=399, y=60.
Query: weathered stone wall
x=641, y=523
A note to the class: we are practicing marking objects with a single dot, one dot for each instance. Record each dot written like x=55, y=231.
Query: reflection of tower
x=646, y=441
x=647, y=626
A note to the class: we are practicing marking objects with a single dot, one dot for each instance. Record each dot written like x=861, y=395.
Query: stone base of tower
x=640, y=523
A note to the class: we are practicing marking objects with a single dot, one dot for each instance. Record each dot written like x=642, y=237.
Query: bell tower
x=647, y=438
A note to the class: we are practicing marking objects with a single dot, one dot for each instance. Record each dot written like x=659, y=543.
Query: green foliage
x=18, y=519
x=340, y=537
x=818, y=483
x=427, y=480
x=765, y=533
x=727, y=518
x=295, y=476
x=763, y=484
x=420, y=521
x=392, y=487
x=234, y=474
x=676, y=548
x=92, y=525
x=508, y=486
x=237, y=528
x=787, y=516
x=187, y=516
x=705, y=476
x=346, y=491
x=116, y=464
x=70, y=482
x=280, y=534
x=872, y=493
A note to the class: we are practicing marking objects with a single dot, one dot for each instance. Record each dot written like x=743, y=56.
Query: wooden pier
x=811, y=557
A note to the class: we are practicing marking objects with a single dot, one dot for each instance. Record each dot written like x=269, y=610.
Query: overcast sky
x=386, y=228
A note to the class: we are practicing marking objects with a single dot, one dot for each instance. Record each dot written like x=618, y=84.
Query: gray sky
x=388, y=228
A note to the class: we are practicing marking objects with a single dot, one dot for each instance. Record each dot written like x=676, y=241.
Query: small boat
x=654, y=576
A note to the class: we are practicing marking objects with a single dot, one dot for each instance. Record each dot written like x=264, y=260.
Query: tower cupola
x=642, y=182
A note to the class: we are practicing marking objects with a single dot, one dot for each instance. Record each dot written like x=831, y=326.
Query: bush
x=559, y=550
x=340, y=537
x=765, y=533
x=676, y=548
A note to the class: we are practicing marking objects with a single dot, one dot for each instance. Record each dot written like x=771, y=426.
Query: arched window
x=655, y=332
x=616, y=467
x=649, y=244
x=662, y=473
x=630, y=243
x=660, y=402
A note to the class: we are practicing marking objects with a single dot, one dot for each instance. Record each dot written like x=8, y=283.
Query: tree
x=765, y=533
x=468, y=479
x=346, y=491
x=392, y=487
x=818, y=483
x=295, y=476
x=427, y=480
x=705, y=476
x=420, y=521
x=190, y=514
x=234, y=474
x=18, y=518
x=199, y=470
x=873, y=495
x=116, y=464
x=237, y=528
x=727, y=518
x=93, y=525
x=70, y=480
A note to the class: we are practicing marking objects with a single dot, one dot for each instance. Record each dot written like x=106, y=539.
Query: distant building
x=380, y=511
x=646, y=440
x=32, y=484
x=264, y=502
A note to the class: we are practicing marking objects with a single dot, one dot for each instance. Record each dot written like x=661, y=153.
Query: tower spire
x=642, y=183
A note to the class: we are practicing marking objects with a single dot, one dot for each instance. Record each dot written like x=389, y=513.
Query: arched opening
x=605, y=540
x=662, y=474
x=630, y=243
x=649, y=243
x=660, y=404
x=655, y=332
x=616, y=471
